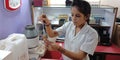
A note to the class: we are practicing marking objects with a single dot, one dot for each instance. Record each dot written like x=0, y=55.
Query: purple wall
x=14, y=21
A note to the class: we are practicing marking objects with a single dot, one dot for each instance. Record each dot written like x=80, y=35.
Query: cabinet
x=117, y=34
x=102, y=18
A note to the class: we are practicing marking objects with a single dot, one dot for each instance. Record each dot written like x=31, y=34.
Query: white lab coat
x=86, y=39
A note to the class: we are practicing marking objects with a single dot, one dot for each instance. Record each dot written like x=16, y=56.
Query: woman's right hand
x=43, y=18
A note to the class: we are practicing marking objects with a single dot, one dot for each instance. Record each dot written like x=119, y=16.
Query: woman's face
x=77, y=17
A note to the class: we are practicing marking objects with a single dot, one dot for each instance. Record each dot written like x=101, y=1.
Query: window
x=62, y=2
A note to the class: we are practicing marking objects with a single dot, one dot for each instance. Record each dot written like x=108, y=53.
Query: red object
x=112, y=57
x=37, y=2
x=10, y=7
x=112, y=52
x=52, y=55
x=108, y=49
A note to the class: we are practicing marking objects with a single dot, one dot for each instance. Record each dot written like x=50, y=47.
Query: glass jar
x=40, y=27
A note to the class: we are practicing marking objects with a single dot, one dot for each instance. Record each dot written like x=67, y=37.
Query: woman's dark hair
x=83, y=7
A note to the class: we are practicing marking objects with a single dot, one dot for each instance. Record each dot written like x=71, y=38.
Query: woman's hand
x=51, y=45
x=54, y=46
x=43, y=18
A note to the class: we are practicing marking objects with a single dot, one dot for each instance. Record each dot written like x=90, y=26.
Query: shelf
x=97, y=25
x=92, y=6
x=102, y=6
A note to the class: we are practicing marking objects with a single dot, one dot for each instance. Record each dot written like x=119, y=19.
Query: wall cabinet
x=102, y=18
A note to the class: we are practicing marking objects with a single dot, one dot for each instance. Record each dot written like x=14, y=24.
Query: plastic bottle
x=32, y=36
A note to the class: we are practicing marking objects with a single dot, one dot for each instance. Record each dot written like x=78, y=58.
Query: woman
x=80, y=38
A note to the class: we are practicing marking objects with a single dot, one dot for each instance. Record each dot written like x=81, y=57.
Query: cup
x=53, y=39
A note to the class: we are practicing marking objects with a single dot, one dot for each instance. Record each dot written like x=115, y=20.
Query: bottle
x=32, y=36
x=45, y=3
x=40, y=30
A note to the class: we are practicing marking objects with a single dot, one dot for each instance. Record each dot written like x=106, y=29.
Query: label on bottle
x=32, y=43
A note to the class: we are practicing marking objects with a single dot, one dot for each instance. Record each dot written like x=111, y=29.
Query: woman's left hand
x=52, y=45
